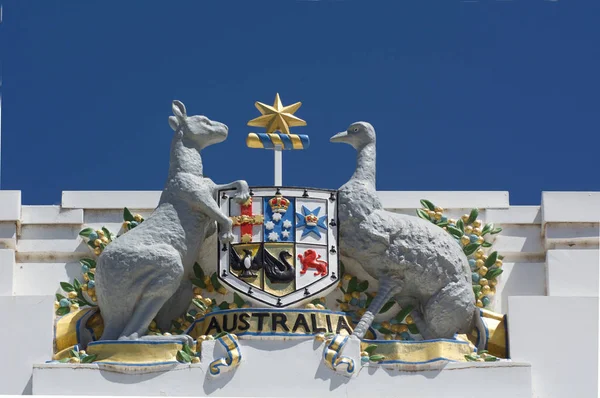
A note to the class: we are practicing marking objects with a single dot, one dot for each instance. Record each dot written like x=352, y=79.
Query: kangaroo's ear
x=179, y=109
x=173, y=123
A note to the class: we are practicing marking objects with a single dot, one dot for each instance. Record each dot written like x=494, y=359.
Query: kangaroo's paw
x=333, y=358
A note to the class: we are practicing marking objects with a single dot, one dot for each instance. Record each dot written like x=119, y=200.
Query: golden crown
x=311, y=220
x=279, y=204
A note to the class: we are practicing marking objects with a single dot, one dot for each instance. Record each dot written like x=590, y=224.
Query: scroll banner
x=85, y=325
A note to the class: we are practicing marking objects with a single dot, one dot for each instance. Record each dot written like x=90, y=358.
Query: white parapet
x=571, y=219
x=573, y=272
x=7, y=268
x=291, y=368
x=110, y=199
x=559, y=337
x=26, y=336
x=445, y=199
x=50, y=215
x=10, y=205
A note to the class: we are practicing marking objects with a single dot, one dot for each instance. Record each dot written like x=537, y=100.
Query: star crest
x=277, y=117
x=309, y=227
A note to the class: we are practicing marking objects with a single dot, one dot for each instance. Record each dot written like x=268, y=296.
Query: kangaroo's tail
x=482, y=330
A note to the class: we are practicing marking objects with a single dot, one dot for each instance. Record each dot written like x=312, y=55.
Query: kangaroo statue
x=144, y=273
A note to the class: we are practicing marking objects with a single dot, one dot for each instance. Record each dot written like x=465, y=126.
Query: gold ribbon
x=234, y=355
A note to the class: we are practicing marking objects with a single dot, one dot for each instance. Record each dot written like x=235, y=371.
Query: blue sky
x=477, y=95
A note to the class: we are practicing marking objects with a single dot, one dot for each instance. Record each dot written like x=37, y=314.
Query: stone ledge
x=10, y=205
x=7, y=269
x=570, y=207
x=110, y=199
x=50, y=215
x=276, y=368
x=445, y=199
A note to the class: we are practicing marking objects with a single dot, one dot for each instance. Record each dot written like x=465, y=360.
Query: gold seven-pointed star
x=277, y=117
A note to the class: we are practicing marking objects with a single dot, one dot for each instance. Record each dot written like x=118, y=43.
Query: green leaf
x=343, y=291
x=89, y=358
x=385, y=331
x=107, y=234
x=476, y=289
x=64, y=360
x=91, y=244
x=342, y=269
x=198, y=272
x=74, y=353
x=493, y=273
x=422, y=214
x=59, y=297
x=442, y=224
x=427, y=204
x=81, y=302
x=86, y=232
x=456, y=232
x=461, y=225
x=67, y=287
x=488, y=227
x=376, y=358
x=370, y=348
x=364, y=285
x=352, y=285
x=189, y=318
x=183, y=356
x=413, y=328
x=175, y=324
x=471, y=248
x=482, y=352
x=219, y=335
x=224, y=305
x=387, y=306
x=199, y=282
x=215, y=281
x=62, y=311
x=89, y=262
x=200, y=304
x=496, y=231
x=491, y=260
x=473, y=216
x=500, y=257
x=490, y=359
x=77, y=285
x=91, y=276
x=238, y=300
x=188, y=350
x=470, y=358
x=404, y=312
x=127, y=216
x=486, y=244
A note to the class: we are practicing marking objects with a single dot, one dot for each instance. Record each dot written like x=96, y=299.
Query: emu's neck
x=365, y=164
x=184, y=157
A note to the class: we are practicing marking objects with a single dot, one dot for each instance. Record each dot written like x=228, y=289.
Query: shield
x=285, y=247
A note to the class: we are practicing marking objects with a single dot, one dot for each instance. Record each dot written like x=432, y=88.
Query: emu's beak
x=339, y=137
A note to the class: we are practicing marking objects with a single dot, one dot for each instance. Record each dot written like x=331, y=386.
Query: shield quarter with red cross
x=285, y=247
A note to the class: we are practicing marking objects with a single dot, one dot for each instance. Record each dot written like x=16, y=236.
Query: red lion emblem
x=310, y=259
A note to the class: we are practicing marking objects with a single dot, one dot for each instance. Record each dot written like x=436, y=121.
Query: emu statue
x=414, y=261
x=144, y=273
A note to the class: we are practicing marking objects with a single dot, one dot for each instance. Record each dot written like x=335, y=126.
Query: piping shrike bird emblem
x=245, y=264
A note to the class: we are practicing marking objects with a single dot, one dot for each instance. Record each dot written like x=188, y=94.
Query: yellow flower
x=310, y=306
x=387, y=337
x=97, y=251
x=483, y=270
x=344, y=307
x=498, y=263
x=347, y=297
x=104, y=239
x=486, y=289
x=438, y=215
x=347, y=277
x=356, y=295
x=465, y=217
x=465, y=240
x=222, y=290
x=126, y=224
x=483, y=281
x=138, y=217
x=210, y=288
x=207, y=302
x=409, y=320
x=479, y=263
x=232, y=306
x=246, y=306
x=439, y=209
x=56, y=305
x=319, y=307
x=468, y=230
x=72, y=295
x=100, y=232
x=361, y=312
x=386, y=325
x=402, y=328
x=197, y=291
x=477, y=231
x=479, y=304
x=479, y=253
x=195, y=360
x=477, y=223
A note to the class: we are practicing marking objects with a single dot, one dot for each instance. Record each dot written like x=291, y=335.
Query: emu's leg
x=175, y=306
x=384, y=294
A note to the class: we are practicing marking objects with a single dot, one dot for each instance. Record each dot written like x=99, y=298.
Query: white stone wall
x=551, y=260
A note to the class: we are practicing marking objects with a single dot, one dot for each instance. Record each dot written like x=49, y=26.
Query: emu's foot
x=333, y=358
x=181, y=338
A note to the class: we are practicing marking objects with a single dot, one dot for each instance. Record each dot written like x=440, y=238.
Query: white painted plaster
x=575, y=235
x=41, y=279
x=50, y=215
x=519, y=279
x=573, y=272
x=267, y=371
x=10, y=205
x=8, y=234
x=517, y=242
x=515, y=215
x=559, y=337
x=110, y=199
x=570, y=207
x=445, y=199
x=27, y=339
x=7, y=265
